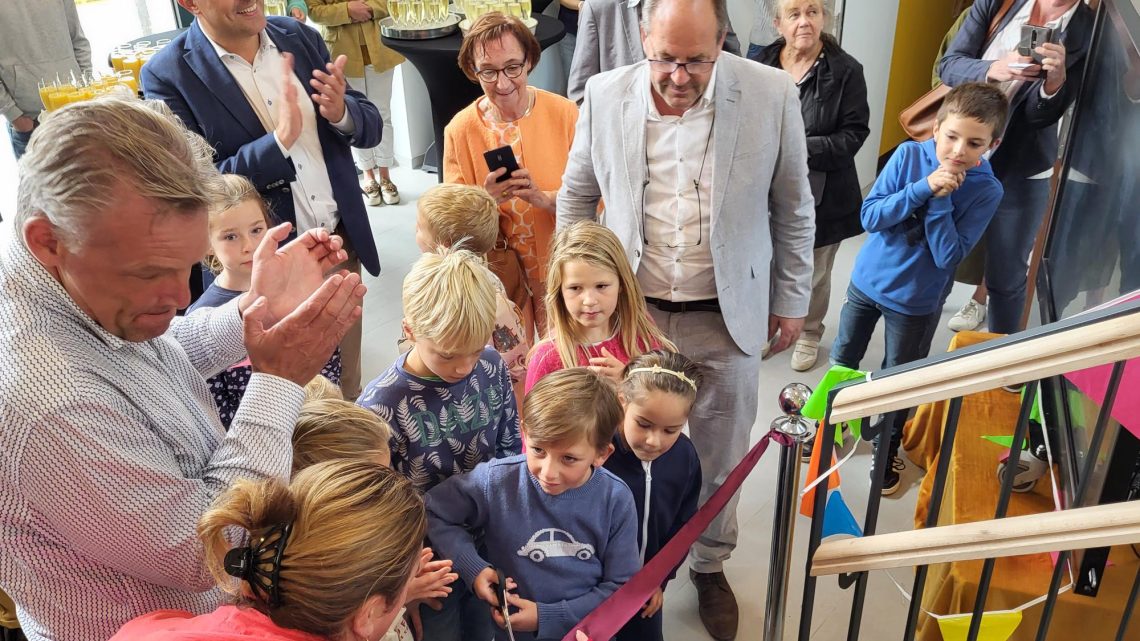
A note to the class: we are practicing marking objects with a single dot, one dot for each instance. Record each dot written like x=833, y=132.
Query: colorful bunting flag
x=807, y=503
x=996, y=626
x=837, y=517
x=1006, y=442
x=816, y=407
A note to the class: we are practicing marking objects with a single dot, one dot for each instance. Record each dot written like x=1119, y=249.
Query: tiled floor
x=393, y=228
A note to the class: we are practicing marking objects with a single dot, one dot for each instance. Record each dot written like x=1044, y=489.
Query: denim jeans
x=906, y=338
x=1009, y=239
x=464, y=617
x=20, y=139
x=753, y=50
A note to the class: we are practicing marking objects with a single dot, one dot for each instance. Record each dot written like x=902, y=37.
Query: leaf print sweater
x=440, y=429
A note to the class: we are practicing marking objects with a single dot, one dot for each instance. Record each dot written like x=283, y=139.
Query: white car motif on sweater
x=554, y=542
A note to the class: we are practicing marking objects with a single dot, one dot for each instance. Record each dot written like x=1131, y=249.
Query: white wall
x=869, y=35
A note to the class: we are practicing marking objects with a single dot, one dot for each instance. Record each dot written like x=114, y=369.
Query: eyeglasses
x=694, y=68
x=686, y=242
x=491, y=75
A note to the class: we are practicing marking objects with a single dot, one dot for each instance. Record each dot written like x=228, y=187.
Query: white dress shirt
x=261, y=82
x=677, y=262
x=113, y=450
x=1009, y=38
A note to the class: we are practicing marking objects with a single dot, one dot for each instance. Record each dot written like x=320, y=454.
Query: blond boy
x=449, y=399
x=449, y=215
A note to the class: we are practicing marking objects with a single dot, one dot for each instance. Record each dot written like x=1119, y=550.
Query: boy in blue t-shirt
x=926, y=211
x=449, y=400
x=559, y=525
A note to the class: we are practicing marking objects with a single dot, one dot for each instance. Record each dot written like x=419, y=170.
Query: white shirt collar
x=263, y=40
x=705, y=102
x=1062, y=23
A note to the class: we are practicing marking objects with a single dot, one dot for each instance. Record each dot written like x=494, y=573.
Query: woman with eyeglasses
x=328, y=557
x=538, y=128
x=833, y=101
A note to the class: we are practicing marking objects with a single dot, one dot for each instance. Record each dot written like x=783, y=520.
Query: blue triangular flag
x=837, y=518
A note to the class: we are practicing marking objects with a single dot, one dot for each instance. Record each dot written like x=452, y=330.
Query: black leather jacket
x=833, y=101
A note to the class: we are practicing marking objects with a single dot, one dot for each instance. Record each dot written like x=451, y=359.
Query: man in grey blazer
x=609, y=36
x=701, y=161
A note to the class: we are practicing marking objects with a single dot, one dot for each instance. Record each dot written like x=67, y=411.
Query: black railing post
x=1020, y=435
x=827, y=448
x=1102, y=418
x=945, y=450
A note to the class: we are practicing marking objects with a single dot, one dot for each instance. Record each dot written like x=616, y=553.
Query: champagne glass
x=514, y=10
x=500, y=7
x=526, y=9
x=396, y=12
x=416, y=15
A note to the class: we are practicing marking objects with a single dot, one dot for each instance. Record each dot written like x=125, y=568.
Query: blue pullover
x=916, y=240
x=567, y=552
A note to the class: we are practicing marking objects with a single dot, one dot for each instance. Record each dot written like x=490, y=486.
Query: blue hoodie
x=916, y=240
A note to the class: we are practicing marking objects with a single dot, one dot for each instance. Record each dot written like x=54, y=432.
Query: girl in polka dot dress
x=237, y=222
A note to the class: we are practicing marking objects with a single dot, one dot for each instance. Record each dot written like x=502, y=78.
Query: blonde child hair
x=349, y=524
x=570, y=404
x=456, y=213
x=331, y=429
x=595, y=244
x=319, y=388
x=232, y=190
x=449, y=298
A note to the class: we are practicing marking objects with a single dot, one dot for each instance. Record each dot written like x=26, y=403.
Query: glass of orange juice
x=127, y=79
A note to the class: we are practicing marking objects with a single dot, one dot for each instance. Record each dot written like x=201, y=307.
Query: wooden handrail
x=1075, y=529
x=1104, y=342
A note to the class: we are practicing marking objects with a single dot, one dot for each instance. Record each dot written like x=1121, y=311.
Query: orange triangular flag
x=807, y=504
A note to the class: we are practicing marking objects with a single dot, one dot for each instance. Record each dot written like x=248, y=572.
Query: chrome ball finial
x=793, y=398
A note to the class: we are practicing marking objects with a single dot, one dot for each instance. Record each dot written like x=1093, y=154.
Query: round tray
x=389, y=29
x=530, y=23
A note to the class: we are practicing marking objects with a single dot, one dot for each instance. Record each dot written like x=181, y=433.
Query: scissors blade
x=502, y=589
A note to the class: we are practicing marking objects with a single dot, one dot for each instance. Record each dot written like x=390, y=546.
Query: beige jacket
x=353, y=39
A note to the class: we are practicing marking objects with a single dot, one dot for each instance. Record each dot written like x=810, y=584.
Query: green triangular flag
x=1005, y=441
x=816, y=407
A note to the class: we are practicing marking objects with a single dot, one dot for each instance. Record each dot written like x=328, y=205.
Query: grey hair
x=720, y=7
x=83, y=156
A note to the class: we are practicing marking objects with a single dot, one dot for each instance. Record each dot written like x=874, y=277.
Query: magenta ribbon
x=609, y=617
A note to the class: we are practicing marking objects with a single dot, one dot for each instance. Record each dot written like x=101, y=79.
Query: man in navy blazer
x=211, y=76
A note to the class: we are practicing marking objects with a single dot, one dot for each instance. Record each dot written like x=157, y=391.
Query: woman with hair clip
x=326, y=558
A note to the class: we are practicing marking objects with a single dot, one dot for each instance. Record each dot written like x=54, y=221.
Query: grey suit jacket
x=609, y=36
x=762, y=215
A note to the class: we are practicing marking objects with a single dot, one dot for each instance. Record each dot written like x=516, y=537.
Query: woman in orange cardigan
x=498, y=53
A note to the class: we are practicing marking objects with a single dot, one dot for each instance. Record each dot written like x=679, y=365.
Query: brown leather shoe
x=717, y=605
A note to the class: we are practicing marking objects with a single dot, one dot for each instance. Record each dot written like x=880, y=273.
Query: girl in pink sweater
x=594, y=306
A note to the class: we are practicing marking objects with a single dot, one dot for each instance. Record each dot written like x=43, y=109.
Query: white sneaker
x=805, y=355
x=970, y=317
x=372, y=194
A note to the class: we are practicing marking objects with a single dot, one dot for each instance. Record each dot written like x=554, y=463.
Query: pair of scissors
x=501, y=592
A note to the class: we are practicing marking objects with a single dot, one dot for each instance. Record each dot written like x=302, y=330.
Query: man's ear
x=43, y=241
x=645, y=42
x=190, y=5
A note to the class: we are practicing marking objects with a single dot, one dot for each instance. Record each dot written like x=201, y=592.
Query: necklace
x=492, y=113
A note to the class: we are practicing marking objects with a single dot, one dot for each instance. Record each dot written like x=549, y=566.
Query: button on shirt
x=262, y=83
x=112, y=451
x=677, y=262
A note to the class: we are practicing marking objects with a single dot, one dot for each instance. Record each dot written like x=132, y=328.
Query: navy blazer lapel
x=726, y=122
x=205, y=63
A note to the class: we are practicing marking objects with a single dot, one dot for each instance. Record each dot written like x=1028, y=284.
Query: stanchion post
x=790, y=431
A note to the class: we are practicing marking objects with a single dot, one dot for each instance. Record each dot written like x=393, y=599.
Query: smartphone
x=501, y=157
x=1032, y=37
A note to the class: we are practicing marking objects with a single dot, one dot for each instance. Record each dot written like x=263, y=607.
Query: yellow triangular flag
x=996, y=626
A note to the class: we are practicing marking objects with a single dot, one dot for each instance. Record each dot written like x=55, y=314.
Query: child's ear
x=624, y=403
x=603, y=454
x=369, y=620
x=407, y=330
x=995, y=143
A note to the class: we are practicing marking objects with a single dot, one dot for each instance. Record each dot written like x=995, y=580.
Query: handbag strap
x=1006, y=5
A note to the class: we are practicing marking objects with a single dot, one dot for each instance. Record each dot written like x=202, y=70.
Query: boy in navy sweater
x=449, y=400
x=561, y=527
x=926, y=211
